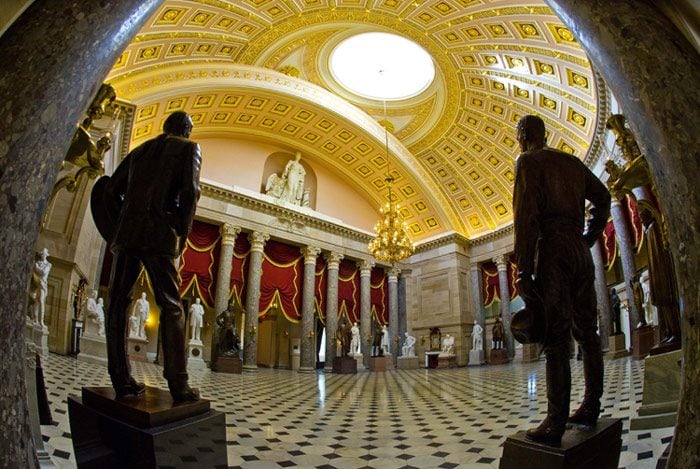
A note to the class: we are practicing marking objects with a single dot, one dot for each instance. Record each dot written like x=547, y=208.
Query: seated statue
x=448, y=346
x=409, y=346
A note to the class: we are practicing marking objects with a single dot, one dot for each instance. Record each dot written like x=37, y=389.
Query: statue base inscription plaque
x=617, y=346
x=93, y=349
x=195, y=351
x=380, y=363
x=228, y=365
x=476, y=357
x=498, y=356
x=344, y=365
x=137, y=349
x=581, y=448
x=148, y=431
x=407, y=363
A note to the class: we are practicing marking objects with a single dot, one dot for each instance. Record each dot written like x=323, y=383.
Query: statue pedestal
x=360, y=359
x=447, y=361
x=344, y=365
x=662, y=388
x=581, y=448
x=147, y=431
x=498, y=356
x=642, y=341
x=379, y=363
x=617, y=347
x=40, y=336
x=228, y=365
x=195, y=352
x=529, y=353
x=137, y=348
x=476, y=357
x=93, y=349
x=407, y=363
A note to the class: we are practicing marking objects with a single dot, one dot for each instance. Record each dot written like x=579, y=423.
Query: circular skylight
x=382, y=66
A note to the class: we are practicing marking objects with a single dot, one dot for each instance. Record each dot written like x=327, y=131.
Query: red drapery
x=379, y=296
x=320, y=286
x=199, y=261
x=281, y=281
x=239, y=268
x=489, y=281
x=609, y=245
x=635, y=223
x=349, y=290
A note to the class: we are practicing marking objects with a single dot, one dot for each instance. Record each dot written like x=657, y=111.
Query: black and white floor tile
x=401, y=418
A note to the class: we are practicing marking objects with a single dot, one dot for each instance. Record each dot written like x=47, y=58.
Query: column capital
x=501, y=261
x=366, y=267
x=393, y=274
x=257, y=240
x=310, y=254
x=474, y=268
x=333, y=259
x=229, y=233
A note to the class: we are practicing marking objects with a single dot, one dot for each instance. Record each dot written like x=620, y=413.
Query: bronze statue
x=145, y=211
x=377, y=350
x=497, y=334
x=228, y=343
x=554, y=261
x=344, y=335
x=615, y=304
x=638, y=297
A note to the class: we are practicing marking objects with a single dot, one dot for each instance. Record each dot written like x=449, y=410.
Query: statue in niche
x=196, y=320
x=409, y=346
x=289, y=187
x=39, y=287
x=228, y=344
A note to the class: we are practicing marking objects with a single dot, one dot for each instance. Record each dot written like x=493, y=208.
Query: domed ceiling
x=260, y=69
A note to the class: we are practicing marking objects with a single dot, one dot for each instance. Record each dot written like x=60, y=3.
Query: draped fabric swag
x=281, y=281
x=512, y=278
x=379, y=296
x=199, y=261
x=349, y=291
x=239, y=268
x=320, y=285
x=489, y=281
x=635, y=223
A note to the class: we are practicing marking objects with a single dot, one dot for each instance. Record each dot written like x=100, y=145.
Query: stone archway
x=61, y=53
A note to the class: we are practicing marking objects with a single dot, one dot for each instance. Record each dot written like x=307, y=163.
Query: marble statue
x=228, y=344
x=497, y=333
x=355, y=341
x=477, y=336
x=552, y=247
x=141, y=310
x=134, y=322
x=39, y=287
x=385, y=340
x=648, y=307
x=289, y=187
x=448, y=346
x=615, y=304
x=409, y=346
x=196, y=320
x=95, y=313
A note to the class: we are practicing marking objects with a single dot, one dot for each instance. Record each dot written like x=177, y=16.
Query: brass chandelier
x=392, y=243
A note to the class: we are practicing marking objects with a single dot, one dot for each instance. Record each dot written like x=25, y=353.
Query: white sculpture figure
x=196, y=319
x=409, y=346
x=477, y=337
x=648, y=307
x=306, y=197
x=448, y=346
x=385, y=339
x=293, y=177
x=274, y=185
x=91, y=315
x=40, y=287
x=355, y=340
x=141, y=311
x=134, y=325
x=100, y=317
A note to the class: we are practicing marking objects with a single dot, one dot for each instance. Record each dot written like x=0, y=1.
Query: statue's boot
x=180, y=390
x=130, y=387
x=587, y=414
x=552, y=428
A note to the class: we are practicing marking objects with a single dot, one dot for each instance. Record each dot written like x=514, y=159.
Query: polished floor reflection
x=413, y=418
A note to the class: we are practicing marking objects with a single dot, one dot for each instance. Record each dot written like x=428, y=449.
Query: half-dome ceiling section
x=495, y=61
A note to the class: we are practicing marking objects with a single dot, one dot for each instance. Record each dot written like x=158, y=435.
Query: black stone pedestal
x=344, y=365
x=148, y=431
x=228, y=365
x=581, y=448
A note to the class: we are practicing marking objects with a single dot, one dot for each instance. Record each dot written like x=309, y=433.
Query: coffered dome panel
x=496, y=60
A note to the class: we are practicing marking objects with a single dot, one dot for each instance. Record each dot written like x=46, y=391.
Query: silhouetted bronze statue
x=145, y=211
x=615, y=304
x=227, y=344
x=551, y=188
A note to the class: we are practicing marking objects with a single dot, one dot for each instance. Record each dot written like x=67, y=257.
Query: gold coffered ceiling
x=259, y=69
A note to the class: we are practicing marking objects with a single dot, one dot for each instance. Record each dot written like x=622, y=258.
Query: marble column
x=366, y=309
x=648, y=63
x=502, y=265
x=477, y=297
x=308, y=333
x=602, y=295
x=403, y=319
x=56, y=56
x=252, y=300
x=393, y=279
x=223, y=278
x=624, y=242
x=332, y=264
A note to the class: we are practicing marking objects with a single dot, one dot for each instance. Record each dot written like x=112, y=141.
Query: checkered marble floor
x=401, y=418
